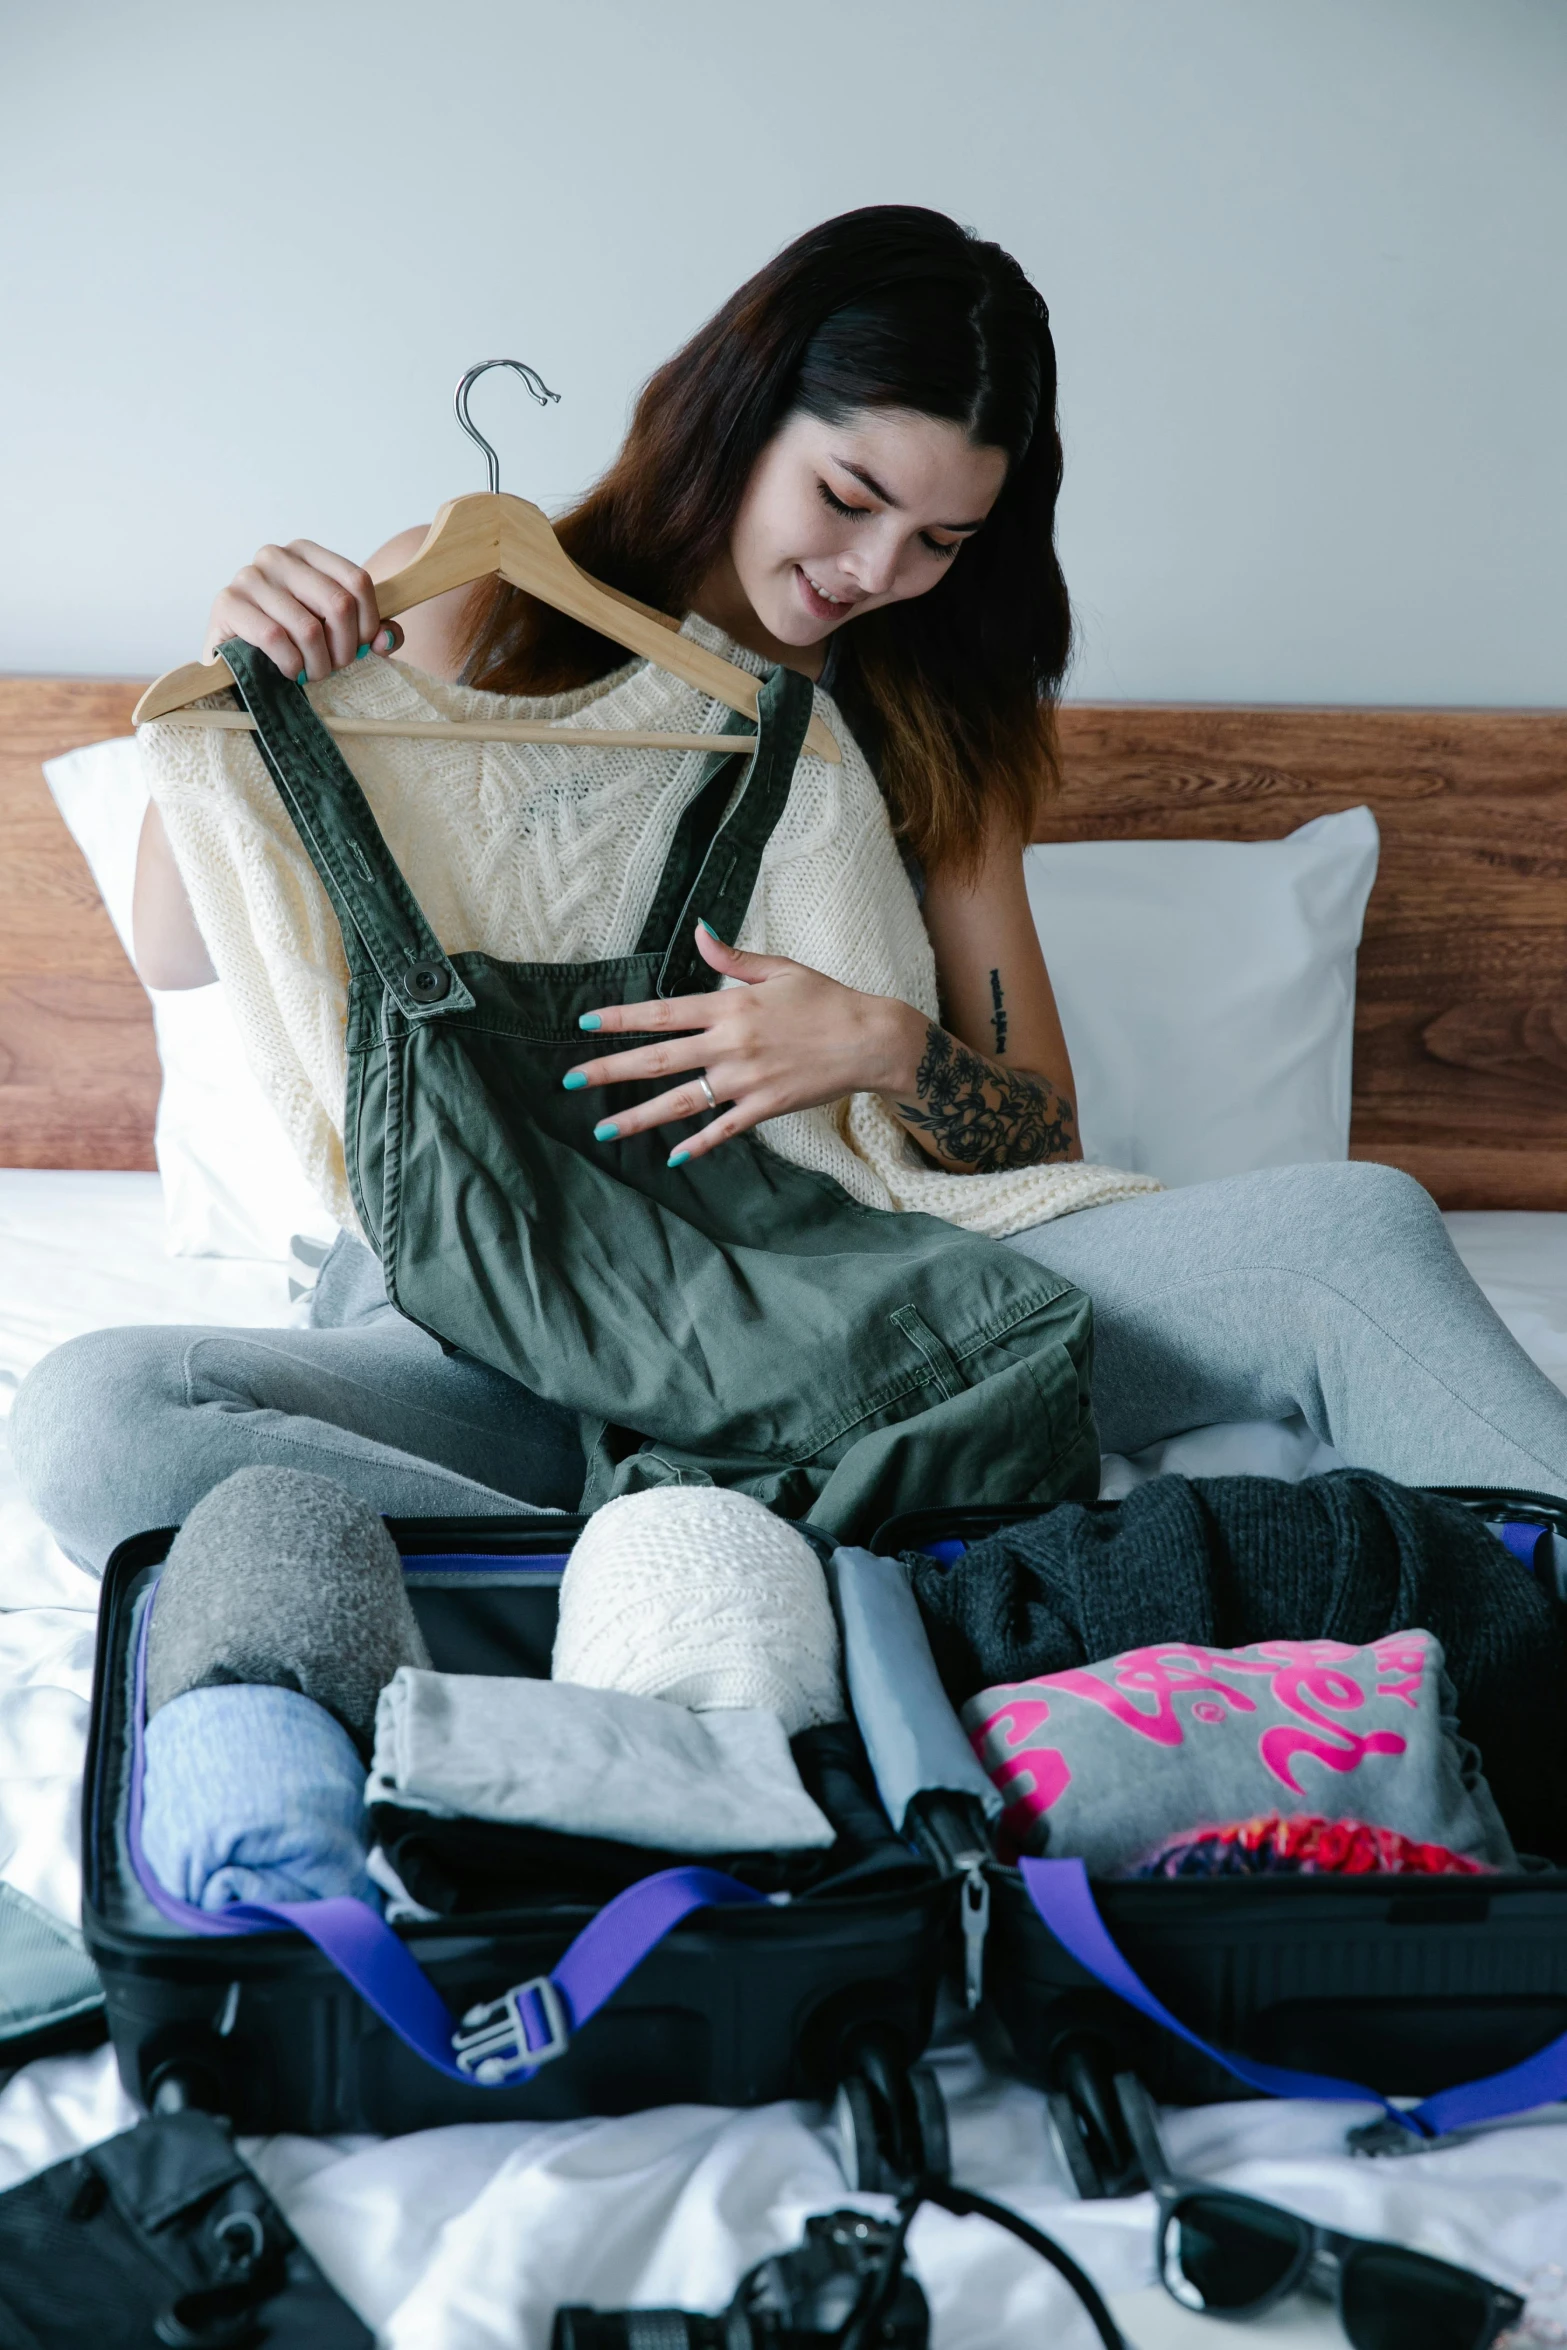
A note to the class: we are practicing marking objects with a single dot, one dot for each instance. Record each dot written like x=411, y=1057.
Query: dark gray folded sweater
x=1229, y=1560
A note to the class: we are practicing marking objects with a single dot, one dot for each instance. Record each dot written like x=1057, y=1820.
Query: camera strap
x=963, y=2203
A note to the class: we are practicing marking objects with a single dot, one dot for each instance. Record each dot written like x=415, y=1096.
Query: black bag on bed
x=773, y=1989
x=160, y=2235
x=1408, y=1986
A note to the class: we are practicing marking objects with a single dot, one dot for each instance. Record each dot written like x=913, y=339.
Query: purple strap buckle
x=499, y=2041
x=496, y=2040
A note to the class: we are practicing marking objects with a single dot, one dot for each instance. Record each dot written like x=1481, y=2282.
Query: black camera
x=789, y=2301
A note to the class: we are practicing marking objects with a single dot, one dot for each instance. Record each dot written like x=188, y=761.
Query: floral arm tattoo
x=981, y=1118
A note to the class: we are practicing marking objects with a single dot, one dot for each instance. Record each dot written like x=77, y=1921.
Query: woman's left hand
x=788, y=1038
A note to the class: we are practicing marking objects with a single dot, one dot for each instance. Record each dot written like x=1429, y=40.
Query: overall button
x=428, y=983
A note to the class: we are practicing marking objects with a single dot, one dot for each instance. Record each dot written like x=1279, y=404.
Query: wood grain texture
x=1461, y=1015
x=78, y=1066
x=1461, y=1020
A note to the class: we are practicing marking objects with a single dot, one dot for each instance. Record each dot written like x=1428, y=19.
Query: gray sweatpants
x=1331, y=1291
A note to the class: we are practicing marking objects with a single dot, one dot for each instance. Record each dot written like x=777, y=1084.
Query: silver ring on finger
x=708, y=1094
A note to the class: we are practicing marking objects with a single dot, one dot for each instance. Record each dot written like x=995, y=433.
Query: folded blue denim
x=253, y=1793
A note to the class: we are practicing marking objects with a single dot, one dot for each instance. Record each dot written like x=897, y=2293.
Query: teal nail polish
x=363, y=650
x=303, y=678
x=711, y=932
x=589, y=1020
x=677, y=1158
x=606, y=1131
x=574, y=1080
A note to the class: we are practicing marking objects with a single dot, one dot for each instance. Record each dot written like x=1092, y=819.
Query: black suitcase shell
x=1405, y=1984
x=735, y=2007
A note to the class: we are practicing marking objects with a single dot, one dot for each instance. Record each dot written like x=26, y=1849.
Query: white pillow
x=232, y=1186
x=1207, y=991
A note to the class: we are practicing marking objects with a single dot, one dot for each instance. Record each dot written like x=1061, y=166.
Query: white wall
x=1304, y=260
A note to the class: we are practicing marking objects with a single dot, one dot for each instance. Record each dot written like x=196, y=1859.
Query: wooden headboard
x=1461, y=1023
x=1461, y=988
x=78, y=1067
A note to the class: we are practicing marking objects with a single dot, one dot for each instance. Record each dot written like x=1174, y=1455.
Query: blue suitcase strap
x=1060, y=1892
x=504, y=2041
x=1529, y=1542
x=500, y=2042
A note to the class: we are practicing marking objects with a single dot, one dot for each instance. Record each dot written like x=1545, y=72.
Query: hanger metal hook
x=530, y=376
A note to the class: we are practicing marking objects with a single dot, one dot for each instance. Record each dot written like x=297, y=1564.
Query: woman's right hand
x=305, y=608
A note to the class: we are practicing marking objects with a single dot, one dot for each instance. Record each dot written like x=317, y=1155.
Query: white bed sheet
x=465, y=2239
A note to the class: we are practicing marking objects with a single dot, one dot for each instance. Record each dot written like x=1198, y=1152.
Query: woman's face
x=838, y=518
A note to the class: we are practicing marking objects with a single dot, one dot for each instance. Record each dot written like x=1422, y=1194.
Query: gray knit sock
x=282, y=1577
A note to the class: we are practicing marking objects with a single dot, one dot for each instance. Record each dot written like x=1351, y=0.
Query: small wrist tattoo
x=998, y=1013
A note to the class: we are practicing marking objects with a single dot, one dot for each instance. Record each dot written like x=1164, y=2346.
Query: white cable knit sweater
x=538, y=853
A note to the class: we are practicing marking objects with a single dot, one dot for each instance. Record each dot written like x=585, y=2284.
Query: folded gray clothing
x=1107, y=1761
x=281, y=1577
x=253, y=1794
x=591, y=1762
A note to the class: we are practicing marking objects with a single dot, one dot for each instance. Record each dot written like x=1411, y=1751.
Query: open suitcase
x=735, y=2006
x=1407, y=1985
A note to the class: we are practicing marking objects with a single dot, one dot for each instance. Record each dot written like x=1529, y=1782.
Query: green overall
x=737, y=1320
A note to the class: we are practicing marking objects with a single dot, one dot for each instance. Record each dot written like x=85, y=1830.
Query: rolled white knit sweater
x=537, y=853
x=702, y=1597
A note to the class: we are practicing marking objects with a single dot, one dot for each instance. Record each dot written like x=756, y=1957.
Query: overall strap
x=372, y=901
x=721, y=892
x=693, y=837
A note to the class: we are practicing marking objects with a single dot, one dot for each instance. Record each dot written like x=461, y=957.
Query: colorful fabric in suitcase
x=1450, y=1991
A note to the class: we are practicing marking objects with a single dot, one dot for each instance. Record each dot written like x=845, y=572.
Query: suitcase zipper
x=976, y=1924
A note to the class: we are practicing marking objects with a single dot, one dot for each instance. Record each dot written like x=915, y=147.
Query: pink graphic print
x=1160, y=1676
x=1140, y=1690
x=1031, y=1781
x=1307, y=1688
x=1402, y=1658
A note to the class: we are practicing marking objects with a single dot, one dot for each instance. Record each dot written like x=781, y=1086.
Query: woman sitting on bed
x=851, y=470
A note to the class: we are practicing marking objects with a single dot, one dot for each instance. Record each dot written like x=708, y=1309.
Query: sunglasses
x=1230, y=2256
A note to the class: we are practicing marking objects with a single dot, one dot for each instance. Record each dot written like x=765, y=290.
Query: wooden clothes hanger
x=472, y=538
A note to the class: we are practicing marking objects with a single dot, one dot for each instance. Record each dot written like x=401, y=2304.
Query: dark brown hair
x=892, y=307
